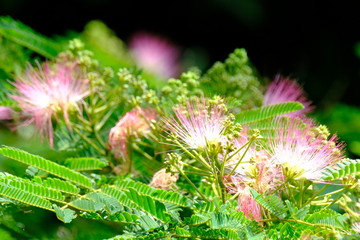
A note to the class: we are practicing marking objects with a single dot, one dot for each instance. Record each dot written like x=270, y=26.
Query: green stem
x=300, y=222
x=242, y=157
x=316, y=194
x=146, y=155
x=336, y=199
x=198, y=157
x=191, y=183
x=91, y=143
x=301, y=192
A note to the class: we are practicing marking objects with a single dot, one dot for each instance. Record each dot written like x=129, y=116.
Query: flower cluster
x=135, y=123
x=198, y=124
x=50, y=91
x=297, y=150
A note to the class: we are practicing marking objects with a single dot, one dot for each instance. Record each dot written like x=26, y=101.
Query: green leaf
x=328, y=217
x=345, y=168
x=31, y=187
x=122, y=217
x=27, y=37
x=87, y=205
x=148, y=236
x=66, y=215
x=197, y=219
x=119, y=195
x=157, y=194
x=84, y=164
x=24, y=197
x=214, y=234
x=59, y=185
x=111, y=205
x=46, y=165
x=266, y=112
x=149, y=205
x=235, y=221
x=272, y=203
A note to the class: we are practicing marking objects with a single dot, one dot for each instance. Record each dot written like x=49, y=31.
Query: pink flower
x=6, y=113
x=155, y=54
x=246, y=201
x=49, y=90
x=198, y=125
x=135, y=123
x=301, y=152
x=283, y=90
x=256, y=170
x=164, y=180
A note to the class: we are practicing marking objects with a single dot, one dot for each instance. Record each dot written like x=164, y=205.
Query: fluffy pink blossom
x=155, y=54
x=135, y=123
x=301, y=152
x=246, y=201
x=283, y=90
x=197, y=124
x=49, y=90
x=6, y=113
x=164, y=180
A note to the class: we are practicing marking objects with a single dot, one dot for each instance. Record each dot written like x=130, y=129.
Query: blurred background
x=315, y=42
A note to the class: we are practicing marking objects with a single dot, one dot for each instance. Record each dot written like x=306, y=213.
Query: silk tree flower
x=155, y=54
x=6, y=113
x=301, y=152
x=198, y=125
x=246, y=202
x=48, y=91
x=135, y=123
x=164, y=180
x=256, y=169
x=283, y=90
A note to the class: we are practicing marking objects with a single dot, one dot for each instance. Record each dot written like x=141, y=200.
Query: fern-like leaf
x=121, y=217
x=46, y=165
x=27, y=37
x=272, y=203
x=58, y=185
x=149, y=205
x=235, y=221
x=119, y=195
x=24, y=197
x=201, y=233
x=197, y=219
x=266, y=112
x=84, y=164
x=149, y=236
x=31, y=187
x=327, y=217
x=345, y=168
x=66, y=215
x=111, y=205
x=157, y=194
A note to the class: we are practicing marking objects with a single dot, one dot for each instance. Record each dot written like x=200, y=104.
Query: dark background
x=312, y=41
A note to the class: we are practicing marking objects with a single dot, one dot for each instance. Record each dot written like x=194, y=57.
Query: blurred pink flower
x=49, y=90
x=6, y=113
x=301, y=152
x=155, y=54
x=164, y=180
x=135, y=123
x=283, y=90
x=198, y=124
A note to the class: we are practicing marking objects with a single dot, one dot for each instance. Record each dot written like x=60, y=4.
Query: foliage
x=139, y=158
